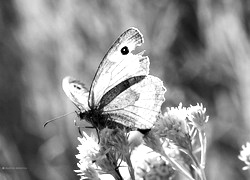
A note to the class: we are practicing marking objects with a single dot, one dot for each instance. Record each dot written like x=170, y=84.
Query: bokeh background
x=200, y=48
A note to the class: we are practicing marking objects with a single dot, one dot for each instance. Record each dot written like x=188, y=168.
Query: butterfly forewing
x=139, y=105
x=76, y=92
x=118, y=66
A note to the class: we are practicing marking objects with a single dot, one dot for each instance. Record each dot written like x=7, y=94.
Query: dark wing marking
x=118, y=65
x=115, y=91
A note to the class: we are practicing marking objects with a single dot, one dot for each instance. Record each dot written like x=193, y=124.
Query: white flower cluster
x=170, y=146
x=245, y=155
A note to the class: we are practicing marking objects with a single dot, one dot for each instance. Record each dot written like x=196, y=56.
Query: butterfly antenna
x=49, y=121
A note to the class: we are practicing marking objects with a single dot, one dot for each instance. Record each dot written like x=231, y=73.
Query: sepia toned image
x=124, y=90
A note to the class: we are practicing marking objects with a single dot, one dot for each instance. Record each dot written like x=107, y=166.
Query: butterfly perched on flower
x=122, y=92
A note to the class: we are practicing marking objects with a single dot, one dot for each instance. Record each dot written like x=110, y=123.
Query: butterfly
x=122, y=93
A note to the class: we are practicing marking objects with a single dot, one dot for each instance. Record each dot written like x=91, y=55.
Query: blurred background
x=200, y=48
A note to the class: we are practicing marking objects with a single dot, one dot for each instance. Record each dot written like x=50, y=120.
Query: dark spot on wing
x=77, y=87
x=125, y=50
x=118, y=89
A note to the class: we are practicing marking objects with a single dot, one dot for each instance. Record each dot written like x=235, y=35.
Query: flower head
x=159, y=170
x=115, y=139
x=88, y=153
x=135, y=138
x=173, y=126
x=175, y=119
x=245, y=155
x=87, y=173
x=97, y=160
x=163, y=169
x=115, y=147
x=197, y=116
x=150, y=165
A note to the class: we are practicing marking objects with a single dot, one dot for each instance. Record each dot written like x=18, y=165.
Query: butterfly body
x=122, y=93
x=99, y=120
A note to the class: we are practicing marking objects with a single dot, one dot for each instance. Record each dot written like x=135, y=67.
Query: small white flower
x=88, y=148
x=173, y=126
x=197, y=116
x=245, y=155
x=179, y=116
x=135, y=138
x=150, y=165
x=88, y=151
x=140, y=158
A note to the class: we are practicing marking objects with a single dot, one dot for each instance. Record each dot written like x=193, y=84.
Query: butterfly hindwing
x=139, y=105
x=118, y=65
x=76, y=92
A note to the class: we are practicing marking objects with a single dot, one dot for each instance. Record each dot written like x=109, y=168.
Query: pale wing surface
x=76, y=92
x=118, y=66
x=139, y=105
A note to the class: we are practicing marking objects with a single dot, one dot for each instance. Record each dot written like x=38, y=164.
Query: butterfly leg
x=79, y=128
x=90, y=127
